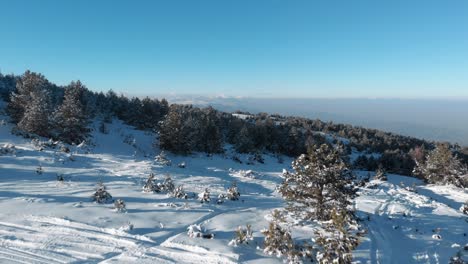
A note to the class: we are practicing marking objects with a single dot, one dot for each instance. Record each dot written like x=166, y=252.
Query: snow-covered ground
x=46, y=221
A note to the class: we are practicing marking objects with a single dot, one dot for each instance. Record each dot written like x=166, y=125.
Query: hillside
x=48, y=221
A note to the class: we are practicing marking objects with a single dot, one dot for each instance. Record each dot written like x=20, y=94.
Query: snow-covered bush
x=151, y=185
x=194, y=231
x=180, y=193
x=204, y=197
x=242, y=236
x=119, y=206
x=163, y=159
x=233, y=192
x=60, y=178
x=278, y=240
x=168, y=185
x=8, y=148
x=102, y=195
x=257, y=157
x=464, y=208
x=380, y=174
x=182, y=165
x=221, y=198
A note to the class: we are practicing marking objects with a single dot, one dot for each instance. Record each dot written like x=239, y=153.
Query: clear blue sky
x=331, y=48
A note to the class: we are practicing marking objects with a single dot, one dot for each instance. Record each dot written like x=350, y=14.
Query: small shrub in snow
x=464, y=208
x=150, y=185
x=180, y=193
x=101, y=195
x=120, y=206
x=60, y=178
x=181, y=165
x=233, y=192
x=242, y=236
x=168, y=185
x=380, y=174
x=437, y=236
x=163, y=159
x=204, y=197
x=39, y=170
x=221, y=198
x=8, y=149
x=194, y=231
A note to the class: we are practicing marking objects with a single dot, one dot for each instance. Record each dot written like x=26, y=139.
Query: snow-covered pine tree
x=101, y=195
x=336, y=243
x=120, y=206
x=321, y=182
x=278, y=240
x=150, y=185
x=168, y=185
x=204, y=197
x=464, y=208
x=242, y=236
x=35, y=119
x=443, y=167
x=233, y=192
x=70, y=120
x=380, y=174
x=179, y=192
x=28, y=83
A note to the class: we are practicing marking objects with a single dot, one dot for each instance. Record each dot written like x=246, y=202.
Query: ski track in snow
x=44, y=221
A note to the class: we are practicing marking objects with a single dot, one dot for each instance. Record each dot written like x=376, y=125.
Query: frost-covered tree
x=168, y=185
x=30, y=82
x=321, y=183
x=120, y=206
x=233, y=193
x=278, y=240
x=35, y=119
x=380, y=174
x=464, y=208
x=101, y=195
x=179, y=192
x=336, y=243
x=443, y=167
x=151, y=185
x=70, y=120
x=242, y=236
x=204, y=197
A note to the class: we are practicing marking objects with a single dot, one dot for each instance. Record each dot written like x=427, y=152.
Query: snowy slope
x=44, y=221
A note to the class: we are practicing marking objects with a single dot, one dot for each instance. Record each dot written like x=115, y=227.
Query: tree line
x=40, y=107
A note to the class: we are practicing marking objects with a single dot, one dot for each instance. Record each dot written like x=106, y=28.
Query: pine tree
x=278, y=240
x=443, y=167
x=336, y=244
x=320, y=183
x=233, y=193
x=102, y=195
x=380, y=174
x=70, y=120
x=35, y=119
x=29, y=82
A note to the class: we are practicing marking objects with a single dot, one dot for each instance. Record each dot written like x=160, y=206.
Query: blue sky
x=405, y=49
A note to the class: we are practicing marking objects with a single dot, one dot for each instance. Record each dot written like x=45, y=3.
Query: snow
x=43, y=220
